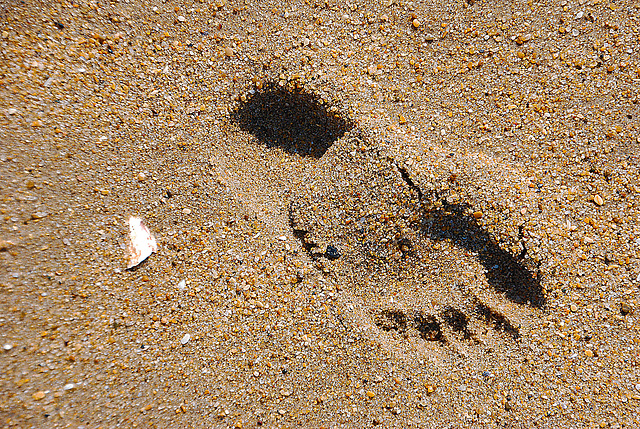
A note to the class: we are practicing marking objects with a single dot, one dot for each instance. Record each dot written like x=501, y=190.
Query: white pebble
x=69, y=386
x=185, y=339
x=182, y=284
x=186, y=211
x=8, y=347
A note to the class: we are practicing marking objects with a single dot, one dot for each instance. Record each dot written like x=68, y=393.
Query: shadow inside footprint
x=506, y=273
x=292, y=119
x=427, y=326
x=458, y=321
x=388, y=320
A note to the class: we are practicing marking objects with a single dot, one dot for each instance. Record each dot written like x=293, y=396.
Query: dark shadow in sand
x=506, y=273
x=292, y=119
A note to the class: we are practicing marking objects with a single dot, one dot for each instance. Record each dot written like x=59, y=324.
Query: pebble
x=574, y=308
x=416, y=23
x=185, y=339
x=7, y=347
x=186, y=211
x=598, y=200
x=182, y=284
x=38, y=395
x=181, y=18
x=229, y=51
x=626, y=308
x=370, y=394
x=588, y=353
x=5, y=245
x=332, y=253
x=141, y=177
x=286, y=392
x=69, y=386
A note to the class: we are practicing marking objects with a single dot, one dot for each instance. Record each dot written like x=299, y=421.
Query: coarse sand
x=386, y=214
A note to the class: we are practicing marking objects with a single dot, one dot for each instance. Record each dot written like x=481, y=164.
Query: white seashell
x=141, y=242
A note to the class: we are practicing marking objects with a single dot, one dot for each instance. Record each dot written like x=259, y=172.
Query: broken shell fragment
x=141, y=242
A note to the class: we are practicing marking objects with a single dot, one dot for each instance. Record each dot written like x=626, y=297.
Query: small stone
x=185, y=339
x=371, y=394
x=5, y=245
x=38, y=395
x=38, y=215
x=5, y=34
x=181, y=18
x=598, y=200
x=30, y=184
x=402, y=120
x=12, y=111
x=69, y=386
x=477, y=215
x=186, y=211
x=626, y=308
x=332, y=253
x=588, y=353
x=574, y=308
x=285, y=392
x=228, y=51
x=141, y=177
x=416, y=23
x=182, y=284
x=7, y=347
x=430, y=388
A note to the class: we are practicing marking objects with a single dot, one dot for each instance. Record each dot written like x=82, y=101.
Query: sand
x=385, y=214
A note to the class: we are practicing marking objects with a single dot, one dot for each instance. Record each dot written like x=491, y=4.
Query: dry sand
x=391, y=214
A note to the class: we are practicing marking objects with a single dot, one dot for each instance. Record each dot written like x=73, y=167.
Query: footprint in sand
x=429, y=246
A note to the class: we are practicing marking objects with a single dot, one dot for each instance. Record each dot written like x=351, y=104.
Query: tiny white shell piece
x=141, y=242
x=185, y=339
